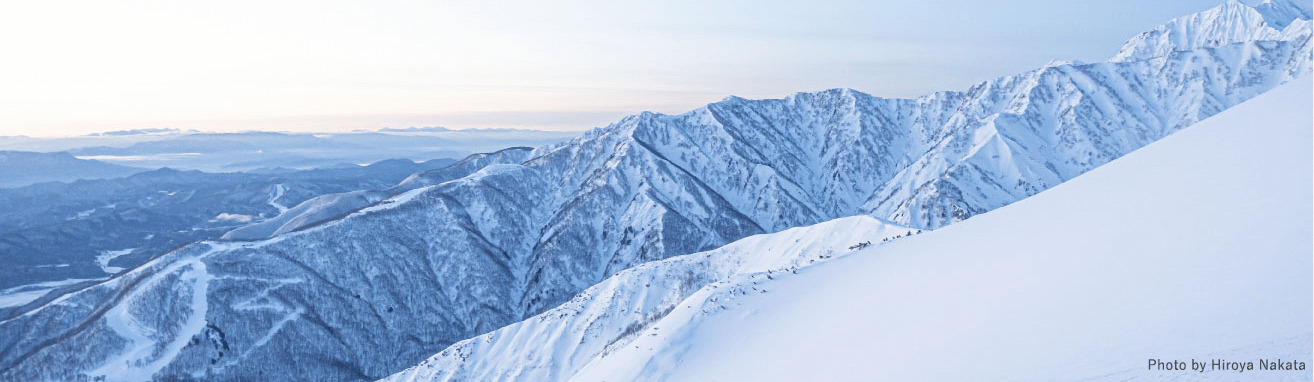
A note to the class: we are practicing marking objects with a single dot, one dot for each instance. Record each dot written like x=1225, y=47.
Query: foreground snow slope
x=1197, y=246
x=608, y=316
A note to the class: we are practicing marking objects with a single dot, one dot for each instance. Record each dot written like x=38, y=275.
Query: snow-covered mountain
x=605, y=317
x=1075, y=278
x=1207, y=257
x=379, y=289
x=327, y=207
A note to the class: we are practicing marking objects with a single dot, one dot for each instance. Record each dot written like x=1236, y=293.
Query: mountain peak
x=1227, y=23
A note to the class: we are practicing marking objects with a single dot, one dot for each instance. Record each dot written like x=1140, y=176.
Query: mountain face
x=21, y=168
x=330, y=206
x=368, y=294
x=1067, y=285
x=1229, y=23
x=605, y=317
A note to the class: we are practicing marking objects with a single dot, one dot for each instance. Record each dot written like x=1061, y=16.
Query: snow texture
x=372, y=291
x=1207, y=257
x=605, y=317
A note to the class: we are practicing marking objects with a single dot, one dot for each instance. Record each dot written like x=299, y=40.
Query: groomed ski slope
x=1195, y=247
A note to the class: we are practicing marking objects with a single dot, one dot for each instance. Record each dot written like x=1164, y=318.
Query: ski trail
x=143, y=356
x=273, y=198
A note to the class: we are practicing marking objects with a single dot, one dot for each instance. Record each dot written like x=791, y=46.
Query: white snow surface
x=608, y=316
x=273, y=198
x=106, y=256
x=227, y=217
x=1195, y=247
x=23, y=294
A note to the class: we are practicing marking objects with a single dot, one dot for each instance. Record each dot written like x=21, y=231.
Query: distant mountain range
x=259, y=151
x=21, y=168
x=378, y=288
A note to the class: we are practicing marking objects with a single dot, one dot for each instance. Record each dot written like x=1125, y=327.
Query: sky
x=81, y=67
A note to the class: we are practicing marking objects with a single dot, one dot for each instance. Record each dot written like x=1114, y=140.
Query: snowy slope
x=556, y=343
x=327, y=207
x=453, y=259
x=1197, y=246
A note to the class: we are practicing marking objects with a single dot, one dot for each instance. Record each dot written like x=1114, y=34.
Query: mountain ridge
x=1137, y=257
x=641, y=323
x=444, y=262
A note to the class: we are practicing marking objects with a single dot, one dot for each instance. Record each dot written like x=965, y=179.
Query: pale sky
x=92, y=66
